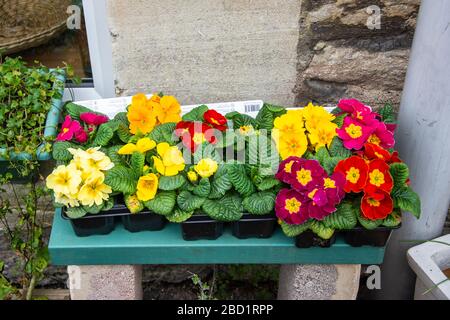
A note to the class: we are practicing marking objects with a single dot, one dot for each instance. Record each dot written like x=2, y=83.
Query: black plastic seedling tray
x=309, y=239
x=201, y=227
x=104, y=222
x=254, y=226
x=359, y=236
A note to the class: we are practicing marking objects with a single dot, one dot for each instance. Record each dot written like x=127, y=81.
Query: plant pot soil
x=360, y=236
x=253, y=226
x=309, y=239
x=201, y=227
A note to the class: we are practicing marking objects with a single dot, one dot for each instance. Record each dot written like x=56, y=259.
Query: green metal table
x=168, y=247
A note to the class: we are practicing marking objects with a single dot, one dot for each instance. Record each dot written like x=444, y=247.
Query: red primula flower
x=372, y=152
x=216, y=120
x=194, y=134
x=355, y=171
x=376, y=205
x=378, y=177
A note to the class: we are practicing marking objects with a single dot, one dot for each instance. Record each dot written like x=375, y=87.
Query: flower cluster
x=361, y=125
x=81, y=182
x=195, y=133
x=313, y=194
x=145, y=113
x=299, y=130
x=74, y=130
x=368, y=172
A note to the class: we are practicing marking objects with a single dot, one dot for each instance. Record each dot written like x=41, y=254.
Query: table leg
x=105, y=282
x=319, y=282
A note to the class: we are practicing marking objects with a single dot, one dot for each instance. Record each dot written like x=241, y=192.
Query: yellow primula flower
x=192, y=176
x=322, y=134
x=290, y=144
x=147, y=187
x=143, y=145
x=314, y=115
x=206, y=167
x=170, y=160
x=141, y=115
x=170, y=110
x=69, y=200
x=94, y=191
x=290, y=123
x=64, y=180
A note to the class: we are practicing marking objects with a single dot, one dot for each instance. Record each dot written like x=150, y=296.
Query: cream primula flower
x=94, y=191
x=69, y=200
x=64, y=180
x=91, y=158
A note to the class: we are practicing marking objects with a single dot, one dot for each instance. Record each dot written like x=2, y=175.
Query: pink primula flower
x=93, y=119
x=81, y=136
x=354, y=133
x=381, y=136
x=69, y=129
x=357, y=110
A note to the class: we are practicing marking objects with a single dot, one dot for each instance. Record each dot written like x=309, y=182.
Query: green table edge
x=168, y=247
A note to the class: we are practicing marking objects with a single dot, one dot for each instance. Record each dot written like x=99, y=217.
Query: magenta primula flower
x=306, y=175
x=357, y=110
x=81, y=136
x=382, y=136
x=93, y=119
x=290, y=207
x=354, y=133
x=69, y=129
x=324, y=199
x=284, y=173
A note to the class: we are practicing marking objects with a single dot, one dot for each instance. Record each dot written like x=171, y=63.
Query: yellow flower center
x=245, y=129
x=376, y=177
x=354, y=131
x=353, y=175
x=304, y=176
x=359, y=116
x=198, y=138
x=329, y=183
x=292, y=205
x=214, y=121
x=373, y=202
x=374, y=139
x=288, y=166
x=312, y=194
x=65, y=130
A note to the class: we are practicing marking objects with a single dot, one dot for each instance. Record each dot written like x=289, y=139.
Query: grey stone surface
x=206, y=51
x=174, y=273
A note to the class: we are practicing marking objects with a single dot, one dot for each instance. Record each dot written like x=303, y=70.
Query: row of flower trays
x=313, y=172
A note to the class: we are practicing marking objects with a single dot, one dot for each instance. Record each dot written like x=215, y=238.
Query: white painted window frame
x=100, y=51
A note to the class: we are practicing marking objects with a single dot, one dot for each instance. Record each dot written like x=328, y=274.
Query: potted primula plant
x=30, y=108
x=341, y=174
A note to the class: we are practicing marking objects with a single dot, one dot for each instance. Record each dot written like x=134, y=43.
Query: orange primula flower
x=141, y=115
x=169, y=110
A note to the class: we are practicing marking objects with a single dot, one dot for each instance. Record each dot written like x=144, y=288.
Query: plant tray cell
x=201, y=227
x=143, y=221
x=309, y=239
x=362, y=237
x=253, y=226
x=92, y=224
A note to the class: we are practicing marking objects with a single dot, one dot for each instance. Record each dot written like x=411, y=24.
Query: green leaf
x=392, y=220
x=369, y=224
x=407, y=200
x=225, y=209
x=321, y=230
x=74, y=110
x=220, y=183
x=171, y=183
x=163, y=203
x=203, y=188
x=339, y=120
x=240, y=120
x=337, y=149
x=344, y=218
x=103, y=135
x=137, y=163
x=268, y=183
x=112, y=153
x=108, y=204
x=259, y=203
x=179, y=215
x=164, y=133
x=121, y=179
x=276, y=110
x=329, y=164
x=76, y=212
x=189, y=202
x=264, y=119
x=195, y=114
x=241, y=182
x=387, y=114
x=399, y=173
x=60, y=152
x=123, y=130
x=322, y=155
x=293, y=230
x=94, y=209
